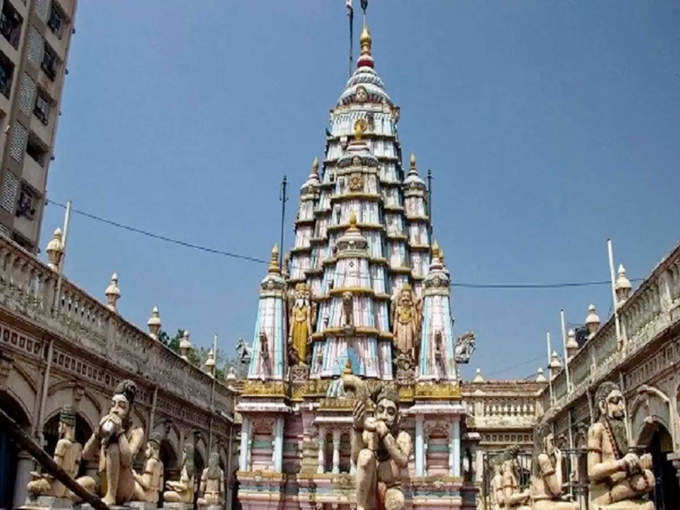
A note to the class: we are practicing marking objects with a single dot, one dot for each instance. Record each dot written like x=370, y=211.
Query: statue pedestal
x=42, y=502
x=211, y=507
x=178, y=506
x=141, y=505
x=624, y=505
x=87, y=506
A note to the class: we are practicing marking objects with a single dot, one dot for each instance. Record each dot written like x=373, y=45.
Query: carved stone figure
x=67, y=455
x=546, y=480
x=347, y=311
x=118, y=443
x=211, y=491
x=379, y=450
x=265, y=365
x=512, y=496
x=619, y=478
x=406, y=316
x=300, y=322
x=182, y=490
x=496, y=488
x=149, y=484
x=465, y=346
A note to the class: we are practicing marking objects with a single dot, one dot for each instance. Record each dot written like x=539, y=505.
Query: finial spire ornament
x=154, y=323
x=274, y=262
x=112, y=293
x=315, y=166
x=55, y=250
x=365, y=59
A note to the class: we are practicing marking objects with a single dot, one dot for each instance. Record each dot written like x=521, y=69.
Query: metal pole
x=429, y=200
x=610, y=253
x=350, y=17
x=552, y=397
x=284, y=198
x=564, y=345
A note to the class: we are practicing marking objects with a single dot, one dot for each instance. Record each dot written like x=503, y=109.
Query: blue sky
x=548, y=125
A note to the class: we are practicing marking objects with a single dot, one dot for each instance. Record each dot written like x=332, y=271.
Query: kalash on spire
x=360, y=306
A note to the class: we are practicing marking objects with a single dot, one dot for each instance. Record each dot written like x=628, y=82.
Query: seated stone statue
x=512, y=496
x=149, y=484
x=546, y=480
x=182, y=490
x=118, y=443
x=67, y=455
x=211, y=490
x=619, y=478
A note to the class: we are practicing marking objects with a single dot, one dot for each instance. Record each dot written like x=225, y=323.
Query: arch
x=667, y=490
x=51, y=434
x=650, y=407
x=9, y=453
x=22, y=391
x=170, y=459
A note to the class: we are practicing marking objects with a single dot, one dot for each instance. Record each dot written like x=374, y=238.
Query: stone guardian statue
x=546, y=481
x=211, y=490
x=67, y=455
x=182, y=490
x=149, y=484
x=379, y=450
x=619, y=478
x=118, y=443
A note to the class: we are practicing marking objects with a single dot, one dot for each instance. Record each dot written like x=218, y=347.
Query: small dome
x=592, y=317
x=113, y=289
x=185, y=343
x=155, y=319
x=478, y=376
x=571, y=340
x=622, y=281
x=413, y=179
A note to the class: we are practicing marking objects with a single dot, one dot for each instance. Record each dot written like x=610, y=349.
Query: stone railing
x=28, y=289
x=652, y=308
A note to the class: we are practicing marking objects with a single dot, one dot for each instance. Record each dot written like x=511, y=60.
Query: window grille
x=35, y=47
x=42, y=108
x=56, y=20
x=49, y=61
x=42, y=9
x=27, y=91
x=8, y=194
x=17, y=142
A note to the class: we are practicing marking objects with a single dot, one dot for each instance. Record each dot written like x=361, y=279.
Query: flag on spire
x=364, y=5
x=350, y=9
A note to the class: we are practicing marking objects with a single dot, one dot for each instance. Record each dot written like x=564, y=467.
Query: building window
x=42, y=107
x=49, y=61
x=56, y=19
x=26, y=203
x=36, y=150
x=10, y=23
x=6, y=72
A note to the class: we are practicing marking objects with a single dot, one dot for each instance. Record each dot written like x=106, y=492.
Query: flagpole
x=564, y=345
x=547, y=341
x=350, y=18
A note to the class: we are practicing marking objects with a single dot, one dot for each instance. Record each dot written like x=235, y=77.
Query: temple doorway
x=9, y=454
x=667, y=490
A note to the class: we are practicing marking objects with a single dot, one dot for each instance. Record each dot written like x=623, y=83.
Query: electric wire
x=250, y=258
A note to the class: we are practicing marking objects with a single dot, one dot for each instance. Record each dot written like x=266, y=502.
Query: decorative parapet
x=650, y=310
x=79, y=322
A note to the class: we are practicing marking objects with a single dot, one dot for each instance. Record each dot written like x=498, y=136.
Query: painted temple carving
x=357, y=325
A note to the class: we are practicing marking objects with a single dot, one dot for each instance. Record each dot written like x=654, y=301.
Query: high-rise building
x=34, y=43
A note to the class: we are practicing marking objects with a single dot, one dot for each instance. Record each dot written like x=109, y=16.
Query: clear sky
x=548, y=125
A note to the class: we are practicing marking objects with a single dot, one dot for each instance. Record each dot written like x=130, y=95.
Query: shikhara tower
x=365, y=289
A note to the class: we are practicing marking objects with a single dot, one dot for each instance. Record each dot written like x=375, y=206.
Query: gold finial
x=274, y=262
x=365, y=41
x=436, y=252
x=348, y=367
x=315, y=166
x=353, y=219
x=359, y=128
x=413, y=160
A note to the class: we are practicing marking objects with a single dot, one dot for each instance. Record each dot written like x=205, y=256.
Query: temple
x=365, y=293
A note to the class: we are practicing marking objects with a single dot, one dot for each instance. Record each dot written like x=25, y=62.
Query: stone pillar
x=322, y=449
x=278, y=445
x=336, y=450
x=454, y=447
x=420, y=446
x=24, y=467
x=245, y=444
